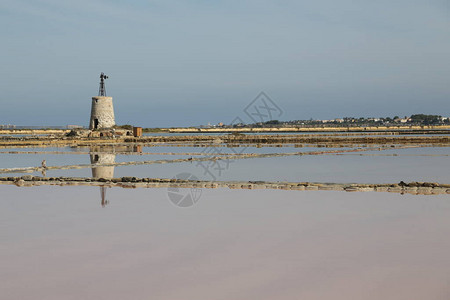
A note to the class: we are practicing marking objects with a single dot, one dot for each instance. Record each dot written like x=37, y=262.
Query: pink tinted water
x=60, y=243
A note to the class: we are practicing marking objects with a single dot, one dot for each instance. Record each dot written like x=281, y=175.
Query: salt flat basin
x=60, y=243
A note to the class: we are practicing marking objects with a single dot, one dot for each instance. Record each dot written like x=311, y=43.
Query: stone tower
x=102, y=112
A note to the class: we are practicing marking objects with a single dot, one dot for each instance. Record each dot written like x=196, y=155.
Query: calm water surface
x=67, y=243
x=60, y=243
x=387, y=166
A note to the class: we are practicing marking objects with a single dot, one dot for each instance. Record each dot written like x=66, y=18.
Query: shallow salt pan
x=233, y=244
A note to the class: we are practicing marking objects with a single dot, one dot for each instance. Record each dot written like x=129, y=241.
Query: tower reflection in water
x=103, y=170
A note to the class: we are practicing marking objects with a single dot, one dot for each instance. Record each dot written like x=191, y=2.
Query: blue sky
x=183, y=63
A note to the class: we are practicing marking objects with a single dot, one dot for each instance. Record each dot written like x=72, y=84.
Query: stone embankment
x=415, y=188
x=270, y=130
x=294, y=139
x=34, y=131
x=309, y=129
x=224, y=140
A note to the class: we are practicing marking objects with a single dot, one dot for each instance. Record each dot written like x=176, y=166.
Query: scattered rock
x=351, y=189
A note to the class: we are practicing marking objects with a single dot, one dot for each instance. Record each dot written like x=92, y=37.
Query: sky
x=186, y=63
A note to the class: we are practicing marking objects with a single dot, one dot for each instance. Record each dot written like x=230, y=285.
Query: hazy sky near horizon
x=182, y=63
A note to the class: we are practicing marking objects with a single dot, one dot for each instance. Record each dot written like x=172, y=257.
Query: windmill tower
x=102, y=112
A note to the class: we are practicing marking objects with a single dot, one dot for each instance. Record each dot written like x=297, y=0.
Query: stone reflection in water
x=103, y=170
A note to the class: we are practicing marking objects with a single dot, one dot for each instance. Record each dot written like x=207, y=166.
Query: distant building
x=8, y=126
x=74, y=126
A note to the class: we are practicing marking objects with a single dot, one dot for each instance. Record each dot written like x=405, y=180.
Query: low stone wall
x=309, y=129
x=414, y=188
x=34, y=131
x=294, y=139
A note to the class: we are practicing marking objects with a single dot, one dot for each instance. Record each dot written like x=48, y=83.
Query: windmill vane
x=102, y=89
